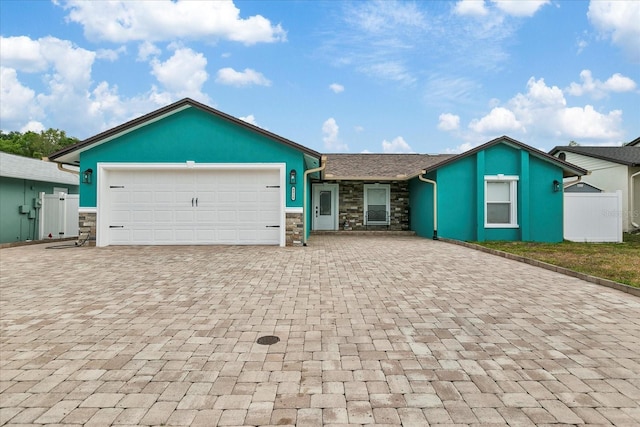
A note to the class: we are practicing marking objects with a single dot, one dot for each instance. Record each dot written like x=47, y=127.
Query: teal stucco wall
x=16, y=226
x=192, y=134
x=461, y=197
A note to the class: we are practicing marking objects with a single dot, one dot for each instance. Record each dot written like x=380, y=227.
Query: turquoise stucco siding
x=461, y=197
x=421, y=206
x=14, y=192
x=192, y=134
x=457, y=198
x=545, y=205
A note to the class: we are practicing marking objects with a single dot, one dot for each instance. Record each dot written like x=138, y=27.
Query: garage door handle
x=196, y=202
x=272, y=226
x=192, y=199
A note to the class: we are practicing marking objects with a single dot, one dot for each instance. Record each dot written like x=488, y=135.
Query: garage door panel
x=159, y=207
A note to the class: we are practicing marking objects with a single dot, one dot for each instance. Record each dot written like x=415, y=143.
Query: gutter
x=570, y=183
x=61, y=167
x=323, y=164
x=435, y=203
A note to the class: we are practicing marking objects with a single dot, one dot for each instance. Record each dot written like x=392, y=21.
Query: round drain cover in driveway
x=268, y=340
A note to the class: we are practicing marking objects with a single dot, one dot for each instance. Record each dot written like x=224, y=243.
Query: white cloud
x=448, y=122
x=499, y=120
x=111, y=55
x=471, y=8
x=249, y=119
x=598, y=89
x=32, y=126
x=183, y=74
x=587, y=123
x=542, y=112
x=397, y=145
x=16, y=98
x=248, y=77
x=358, y=128
x=618, y=20
x=147, y=49
x=330, y=137
x=389, y=70
x=336, y=87
x=519, y=7
x=124, y=21
x=22, y=54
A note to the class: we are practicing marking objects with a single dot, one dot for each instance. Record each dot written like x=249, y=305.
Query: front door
x=325, y=206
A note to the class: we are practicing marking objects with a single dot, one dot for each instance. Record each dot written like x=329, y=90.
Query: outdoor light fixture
x=292, y=177
x=556, y=186
x=86, y=176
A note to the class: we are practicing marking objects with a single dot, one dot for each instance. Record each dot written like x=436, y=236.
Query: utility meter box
x=24, y=209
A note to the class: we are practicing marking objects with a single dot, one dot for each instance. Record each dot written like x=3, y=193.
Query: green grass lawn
x=614, y=261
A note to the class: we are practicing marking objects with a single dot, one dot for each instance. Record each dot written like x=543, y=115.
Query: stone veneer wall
x=294, y=229
x=293, y=232
x=351, y=209
x=87, y=224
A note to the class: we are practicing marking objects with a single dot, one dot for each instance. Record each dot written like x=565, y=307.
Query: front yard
x=614, y=261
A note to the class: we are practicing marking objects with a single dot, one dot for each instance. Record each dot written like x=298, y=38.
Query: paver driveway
x=374, y=330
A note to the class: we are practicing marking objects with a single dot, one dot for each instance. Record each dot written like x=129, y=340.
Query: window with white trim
x=501, y=201
x=376, y=204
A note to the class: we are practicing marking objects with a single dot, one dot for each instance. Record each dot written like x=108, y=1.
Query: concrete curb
x=562, y=270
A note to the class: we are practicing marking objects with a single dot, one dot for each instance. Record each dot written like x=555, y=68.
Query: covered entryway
x=188, y=204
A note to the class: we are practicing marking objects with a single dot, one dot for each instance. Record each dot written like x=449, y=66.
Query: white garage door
x=174, y=207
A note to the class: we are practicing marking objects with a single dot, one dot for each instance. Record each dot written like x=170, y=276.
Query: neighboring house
x=611, y=169
x=22, y=179
x=189, y=174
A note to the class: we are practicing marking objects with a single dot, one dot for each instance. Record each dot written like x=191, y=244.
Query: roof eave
x=572, y=170
x=70, y=154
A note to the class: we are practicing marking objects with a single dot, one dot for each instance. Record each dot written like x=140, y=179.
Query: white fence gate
x=59, y=215
x=593, y=217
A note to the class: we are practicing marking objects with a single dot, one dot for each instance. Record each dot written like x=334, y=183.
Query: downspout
x=631, y=205
x=323, y=164
x=435, y=202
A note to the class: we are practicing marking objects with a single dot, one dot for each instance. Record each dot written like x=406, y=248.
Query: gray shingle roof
x=627, y=155
x=19, y=167
x=379, y=166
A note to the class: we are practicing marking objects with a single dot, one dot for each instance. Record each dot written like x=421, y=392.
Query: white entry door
x=325, y=206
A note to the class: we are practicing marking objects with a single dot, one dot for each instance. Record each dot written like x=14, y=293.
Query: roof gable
x=71, y=154
x=626, y=155
x=567, y=168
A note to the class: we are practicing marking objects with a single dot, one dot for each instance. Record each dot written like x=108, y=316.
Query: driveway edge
x=562, y=270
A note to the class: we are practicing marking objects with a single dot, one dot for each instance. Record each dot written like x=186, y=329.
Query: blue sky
x=362, y=76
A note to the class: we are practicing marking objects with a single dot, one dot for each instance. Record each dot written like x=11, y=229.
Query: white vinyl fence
x=59, y=215
x=593, y=217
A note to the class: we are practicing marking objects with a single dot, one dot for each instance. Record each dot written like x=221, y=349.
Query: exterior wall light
x=292, y=177
x=86, y=176
x=556, y=186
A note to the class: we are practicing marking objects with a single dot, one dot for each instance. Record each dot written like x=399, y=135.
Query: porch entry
x=325, y=206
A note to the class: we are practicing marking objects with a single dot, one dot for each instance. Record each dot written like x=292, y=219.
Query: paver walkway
x=373, y=330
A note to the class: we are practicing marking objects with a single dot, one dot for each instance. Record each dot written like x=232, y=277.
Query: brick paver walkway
x=373, y=330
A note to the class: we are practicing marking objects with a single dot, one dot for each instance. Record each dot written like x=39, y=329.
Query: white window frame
x=378, y=186
x=513, y=196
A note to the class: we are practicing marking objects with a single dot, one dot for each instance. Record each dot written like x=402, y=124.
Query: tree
x=36, y=145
